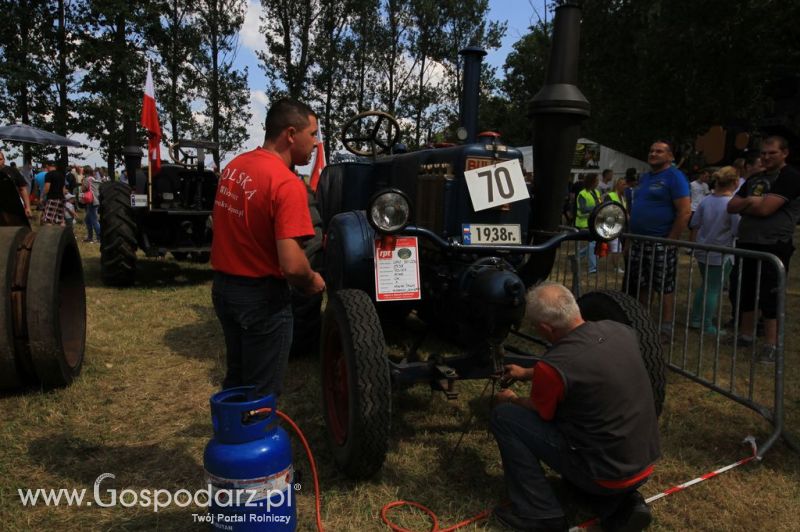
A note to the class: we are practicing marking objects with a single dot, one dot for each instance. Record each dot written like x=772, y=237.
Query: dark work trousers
x=525, y=440
x=256, y=318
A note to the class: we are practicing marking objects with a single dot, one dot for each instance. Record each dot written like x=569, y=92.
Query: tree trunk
x=215, y=118
x=61, y=108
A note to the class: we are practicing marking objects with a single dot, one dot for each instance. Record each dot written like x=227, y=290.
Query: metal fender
x=349, y=256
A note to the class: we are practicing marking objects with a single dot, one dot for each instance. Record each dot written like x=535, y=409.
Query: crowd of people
x=753, y=204
x=58, y=194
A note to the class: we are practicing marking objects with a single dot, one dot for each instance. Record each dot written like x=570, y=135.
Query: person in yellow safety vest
x=615, y=246
x=586, y=201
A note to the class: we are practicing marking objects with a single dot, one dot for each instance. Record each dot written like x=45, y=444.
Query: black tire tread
x=118, y=229
x=370, y=416
x=609, y=304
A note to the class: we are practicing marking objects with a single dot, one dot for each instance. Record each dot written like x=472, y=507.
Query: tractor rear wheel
x=55, y=301
x=619, y=307
x=118, y=230
x=356, y=385
x=307, y=309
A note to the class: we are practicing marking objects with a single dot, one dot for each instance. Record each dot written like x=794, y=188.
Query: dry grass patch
x=155, y=355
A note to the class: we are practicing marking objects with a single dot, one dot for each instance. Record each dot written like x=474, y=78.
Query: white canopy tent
x=587, y=160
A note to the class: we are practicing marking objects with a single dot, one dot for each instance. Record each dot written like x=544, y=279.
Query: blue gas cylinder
x=248, y=464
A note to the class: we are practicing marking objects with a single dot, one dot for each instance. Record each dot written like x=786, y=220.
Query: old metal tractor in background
x=42, y=300
x=169, y=212
x=460, y=235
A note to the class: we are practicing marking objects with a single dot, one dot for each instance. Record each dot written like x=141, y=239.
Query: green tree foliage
x=223, y=88
x=399, y=56
x=171, y=32
x=26, y=66
x=672, y=69
x=524, y=69
x=287, y=61
x=110, y=51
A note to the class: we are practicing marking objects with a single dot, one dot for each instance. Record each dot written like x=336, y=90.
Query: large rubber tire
x=616, y=306
x=118, y=230
x=307, y=310
x=356, y=386
x=11, y=239
x=55, y=299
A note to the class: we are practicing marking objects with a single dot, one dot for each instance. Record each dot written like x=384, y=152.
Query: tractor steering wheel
x=180, y=156
x=362, y=136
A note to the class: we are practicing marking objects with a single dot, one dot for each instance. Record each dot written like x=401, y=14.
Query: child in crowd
x=69, y=209
x=712, y=225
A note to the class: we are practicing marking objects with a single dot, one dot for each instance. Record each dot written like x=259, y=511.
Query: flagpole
x=149, y=178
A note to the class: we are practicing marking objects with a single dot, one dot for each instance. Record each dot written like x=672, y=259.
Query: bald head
x=551, y=304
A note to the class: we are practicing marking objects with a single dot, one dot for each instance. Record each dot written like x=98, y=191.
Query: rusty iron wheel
x=55, y=300
x=11, y=240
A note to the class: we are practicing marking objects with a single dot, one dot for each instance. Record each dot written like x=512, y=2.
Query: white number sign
x=495, y=185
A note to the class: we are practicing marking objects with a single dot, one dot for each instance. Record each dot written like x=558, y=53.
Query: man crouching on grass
x=590, y=417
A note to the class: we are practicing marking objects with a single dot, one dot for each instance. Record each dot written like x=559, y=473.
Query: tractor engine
x=491, y=300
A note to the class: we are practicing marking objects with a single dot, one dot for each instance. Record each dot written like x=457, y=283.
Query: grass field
x=155, y=355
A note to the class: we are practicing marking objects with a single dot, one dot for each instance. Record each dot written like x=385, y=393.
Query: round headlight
x=389, y=211
x=608, y=220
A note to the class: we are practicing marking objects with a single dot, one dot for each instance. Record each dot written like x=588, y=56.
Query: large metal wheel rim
x=56, y=307
x=336, y=387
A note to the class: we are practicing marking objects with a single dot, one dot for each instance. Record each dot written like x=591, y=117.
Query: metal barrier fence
x=701, y=319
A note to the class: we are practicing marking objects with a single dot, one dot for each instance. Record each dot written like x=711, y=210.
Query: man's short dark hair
x=669, y=144
x=777, y=139
x=606, y=171
x=284, y=113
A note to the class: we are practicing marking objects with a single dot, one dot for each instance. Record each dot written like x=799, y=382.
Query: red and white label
x=397, y=269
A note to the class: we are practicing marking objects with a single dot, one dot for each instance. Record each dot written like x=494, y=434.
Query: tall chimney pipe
x=132, y=153
x=473, y=56
x=558, y=110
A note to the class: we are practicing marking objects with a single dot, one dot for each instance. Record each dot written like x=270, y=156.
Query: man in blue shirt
x=662, y=209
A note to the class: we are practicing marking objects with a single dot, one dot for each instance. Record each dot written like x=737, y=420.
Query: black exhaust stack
x=473, y=56
x=558, y=110
x=131, y=153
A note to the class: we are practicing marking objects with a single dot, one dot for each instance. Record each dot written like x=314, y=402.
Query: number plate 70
x=496, y=185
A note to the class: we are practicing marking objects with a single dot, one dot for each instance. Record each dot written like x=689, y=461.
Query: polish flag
x=319, y=161
x=150, y=123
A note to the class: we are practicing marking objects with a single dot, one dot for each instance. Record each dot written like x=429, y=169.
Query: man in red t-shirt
x=590, y=417
x=260, y=219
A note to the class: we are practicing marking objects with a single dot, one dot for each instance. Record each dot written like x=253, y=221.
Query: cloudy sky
x=518, y=14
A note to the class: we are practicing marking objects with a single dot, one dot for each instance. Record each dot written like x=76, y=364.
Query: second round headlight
x=608, y=221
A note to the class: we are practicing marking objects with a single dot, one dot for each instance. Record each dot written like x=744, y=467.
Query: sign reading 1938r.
x=495, y=185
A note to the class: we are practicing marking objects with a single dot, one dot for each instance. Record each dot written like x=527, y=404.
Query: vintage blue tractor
x=456, y=235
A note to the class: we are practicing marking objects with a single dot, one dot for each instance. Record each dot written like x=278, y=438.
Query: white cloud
x=250, y=36
x=255, y=129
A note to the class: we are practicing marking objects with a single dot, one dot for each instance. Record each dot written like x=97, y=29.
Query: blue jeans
x=589, y=250
x=713, y=277
x=256, y=318
x=91, y=222
x=525, y=440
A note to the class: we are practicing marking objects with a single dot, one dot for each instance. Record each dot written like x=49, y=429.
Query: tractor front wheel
x=619, y=307
x=356, y=385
